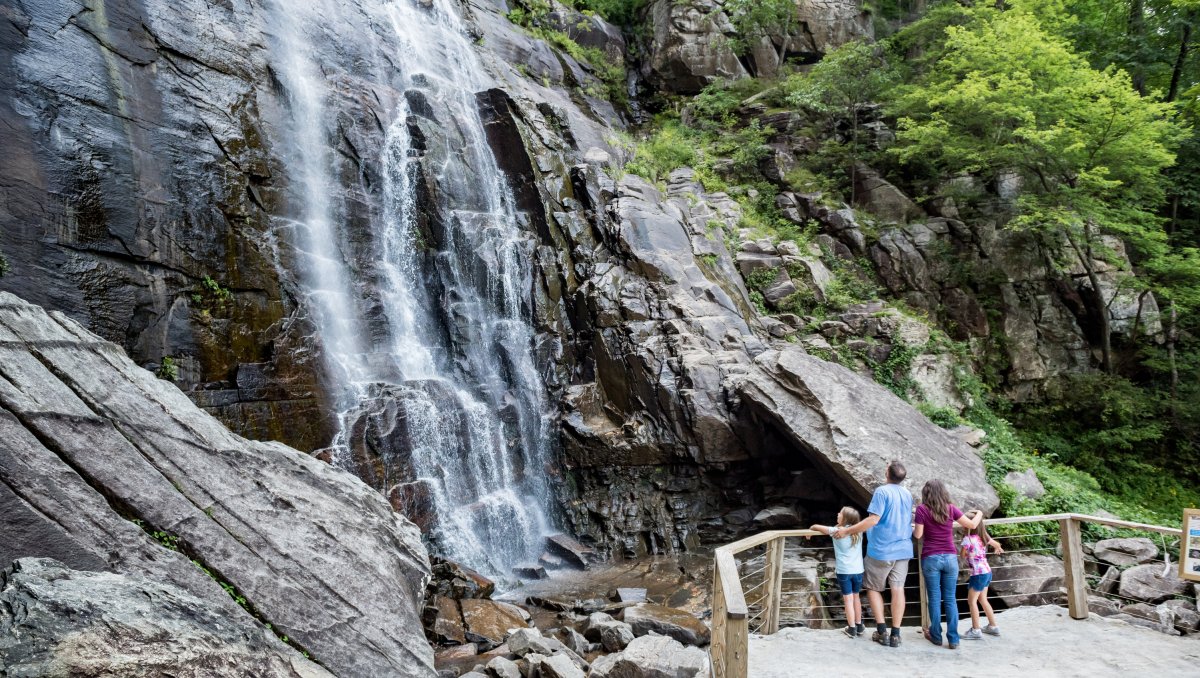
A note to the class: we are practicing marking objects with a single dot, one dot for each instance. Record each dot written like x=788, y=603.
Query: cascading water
x=456, y=360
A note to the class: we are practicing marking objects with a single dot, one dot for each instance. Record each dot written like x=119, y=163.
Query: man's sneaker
x=953, y=646
x=860, y=630
x=991, y=630
x=973, y=634
x=881, y=638
x=895, y=640
x=849, y=631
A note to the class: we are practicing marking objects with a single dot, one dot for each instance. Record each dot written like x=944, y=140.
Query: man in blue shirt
x=889, y=548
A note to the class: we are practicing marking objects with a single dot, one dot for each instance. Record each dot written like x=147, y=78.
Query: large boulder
x=851, y=427
x=1126, y=551
x=666, y=621
x=690, y=45
x=121, y=465
x=1028, y=579
x=489, y=622
x=1150, y=583
x=653, y=657
x=58, y=622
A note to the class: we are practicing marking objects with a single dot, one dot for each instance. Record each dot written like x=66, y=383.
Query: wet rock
x=683, y=627
x=446, y=626
x=55, y=621
x=488, y=622
x=1027, y=579
x=1026, y=483
x=456, y=653
x=346, y=572
x=551, y=562
x=631, y=595
x=571, y=550
x=1125, y=552
x=1149, y=583
x=530, y=572
x=653, y=657
x=459, y=581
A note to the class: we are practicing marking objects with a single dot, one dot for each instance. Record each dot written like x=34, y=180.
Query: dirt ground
x=1035, y=641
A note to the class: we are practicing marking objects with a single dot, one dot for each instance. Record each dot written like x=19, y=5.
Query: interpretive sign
x=1189, y=546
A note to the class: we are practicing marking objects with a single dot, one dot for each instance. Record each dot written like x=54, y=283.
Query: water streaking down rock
x=90, y=439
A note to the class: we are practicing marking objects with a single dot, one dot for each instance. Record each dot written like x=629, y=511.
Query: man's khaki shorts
x=881, y=575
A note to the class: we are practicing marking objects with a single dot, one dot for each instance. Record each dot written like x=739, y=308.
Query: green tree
x=755, y=19
x=1000, y=95
x=838, y=87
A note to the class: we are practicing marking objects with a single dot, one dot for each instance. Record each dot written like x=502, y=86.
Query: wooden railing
x=732, y=619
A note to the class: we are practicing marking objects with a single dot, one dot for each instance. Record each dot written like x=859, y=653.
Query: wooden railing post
x=772, y=585
x=729, y=650
x=1076, y=581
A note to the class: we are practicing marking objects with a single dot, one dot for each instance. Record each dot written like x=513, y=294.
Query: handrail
x=730, y=627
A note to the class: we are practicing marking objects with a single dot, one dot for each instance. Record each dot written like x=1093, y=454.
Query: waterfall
x=456, y=360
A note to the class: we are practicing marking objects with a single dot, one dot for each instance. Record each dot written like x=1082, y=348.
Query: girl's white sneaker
x=991, y=630
x=973, y=634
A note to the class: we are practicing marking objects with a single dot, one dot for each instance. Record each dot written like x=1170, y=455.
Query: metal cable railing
x=794, y=583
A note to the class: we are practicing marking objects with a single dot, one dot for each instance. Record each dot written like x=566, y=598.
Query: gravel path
x=1037, y=641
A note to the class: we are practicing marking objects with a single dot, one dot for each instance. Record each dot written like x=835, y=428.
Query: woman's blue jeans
x=941, y=576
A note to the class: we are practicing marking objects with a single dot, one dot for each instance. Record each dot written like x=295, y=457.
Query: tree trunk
x=1181, y=58
x=1137, y=42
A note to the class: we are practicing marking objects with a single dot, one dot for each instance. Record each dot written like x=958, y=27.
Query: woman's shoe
x=991, y=630
x=973, y=634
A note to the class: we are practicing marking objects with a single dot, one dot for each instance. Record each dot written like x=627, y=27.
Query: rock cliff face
x=148, y=195
x=57, y=622
x=105, y=467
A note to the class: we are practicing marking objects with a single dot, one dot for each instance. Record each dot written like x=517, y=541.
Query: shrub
x=167, y=369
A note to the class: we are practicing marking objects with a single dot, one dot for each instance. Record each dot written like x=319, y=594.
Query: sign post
x=1189, y=546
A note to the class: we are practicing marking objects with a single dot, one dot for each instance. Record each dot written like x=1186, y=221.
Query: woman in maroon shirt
x=934, y=523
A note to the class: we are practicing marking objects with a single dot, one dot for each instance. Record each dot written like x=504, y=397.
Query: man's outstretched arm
x=861, y=526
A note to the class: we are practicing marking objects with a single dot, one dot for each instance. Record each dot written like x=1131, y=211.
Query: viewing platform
x=1036, y=641
x=775, y=617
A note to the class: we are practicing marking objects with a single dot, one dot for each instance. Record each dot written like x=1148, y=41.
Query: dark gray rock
x=58, y=622
x=571, y=551
x=317, y=553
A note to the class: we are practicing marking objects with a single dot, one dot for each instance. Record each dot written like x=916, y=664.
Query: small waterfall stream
x=456, y=361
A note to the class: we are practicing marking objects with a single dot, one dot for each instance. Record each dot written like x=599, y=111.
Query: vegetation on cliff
x=1088, y=112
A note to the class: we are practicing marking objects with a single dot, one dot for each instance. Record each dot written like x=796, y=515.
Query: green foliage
x=4, y=267
x=761, y=279
x=945, y=417
x=618, y=12
x=211, y=296
x=895, y=372
x=753, y=19
x=533, y=16
x=167, y=369
x=668, y=148
x=1002, y=95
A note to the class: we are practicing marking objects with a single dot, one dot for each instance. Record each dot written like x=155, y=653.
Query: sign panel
x=1189, y=546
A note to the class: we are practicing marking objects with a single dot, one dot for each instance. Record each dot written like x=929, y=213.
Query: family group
x=890, y=526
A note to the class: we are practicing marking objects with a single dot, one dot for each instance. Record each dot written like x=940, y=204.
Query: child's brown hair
x=981, y=532
x=849, y=516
